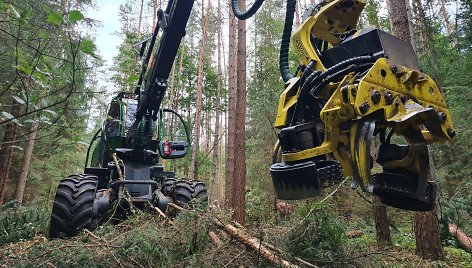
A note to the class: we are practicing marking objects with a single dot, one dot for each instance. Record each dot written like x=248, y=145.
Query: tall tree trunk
x=410, y=26
x=399, y=19
x=6, y=151
x=214, y=177
x=428, y=240
x=198, y=112
x=140, y=19
x=380, y=210
x=447, y=23
x=423, y=39
x=154, y=15
x=231, y=111
x=180, y=84
x=25, y=165
x=297, y=14
x=240, y=142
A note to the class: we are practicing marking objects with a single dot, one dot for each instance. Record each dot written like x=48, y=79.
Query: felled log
x=256, y=245
x=463, y=239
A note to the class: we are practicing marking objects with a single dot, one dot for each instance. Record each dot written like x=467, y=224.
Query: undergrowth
x=314, y=232
x=19, y=222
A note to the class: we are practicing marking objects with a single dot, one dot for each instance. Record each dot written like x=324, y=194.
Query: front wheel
x=73, y=206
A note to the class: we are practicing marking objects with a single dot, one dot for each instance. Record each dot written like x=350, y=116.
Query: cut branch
x=462, y=238
x=256, y=245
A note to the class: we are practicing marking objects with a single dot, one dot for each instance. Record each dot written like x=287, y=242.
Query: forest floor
x=312, y=233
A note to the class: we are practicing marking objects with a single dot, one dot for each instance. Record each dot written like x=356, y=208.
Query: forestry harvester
x=351, y=86
x=124, y=172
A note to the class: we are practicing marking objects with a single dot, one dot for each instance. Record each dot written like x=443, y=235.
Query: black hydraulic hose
x=313, y=79
x=303, y=95
x=247, y=14
x=340, y=74
x=307, y=71
x=285, y=44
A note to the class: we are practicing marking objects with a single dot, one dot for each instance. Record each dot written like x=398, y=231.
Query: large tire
x=184, y=192
x=73, y=206
x=168, y=185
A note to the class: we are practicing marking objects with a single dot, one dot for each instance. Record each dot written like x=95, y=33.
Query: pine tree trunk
x=380, y=210
x=381, y=223
x=198, y=112
x=140, y=19
x=240, y=142
x=428, y=240
x=213, y=195
x=423, y=40
x=6, y=151
x=410, y=26
x=447, y=23
x=25, y=165
x=154, y=15
x=399, y=19
x=180, y=84
x=425, y=46
x=231, y=111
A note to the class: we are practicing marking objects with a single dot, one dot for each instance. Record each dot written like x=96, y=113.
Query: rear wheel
x=185, y=192
x=73, y=206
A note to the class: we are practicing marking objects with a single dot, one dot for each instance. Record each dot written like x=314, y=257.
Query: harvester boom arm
x=172, y=22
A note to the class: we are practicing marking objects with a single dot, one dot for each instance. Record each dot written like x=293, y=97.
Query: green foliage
x=55, y=18
x=87, y=46
x=319, y=236
x=75, y=16
x=20, y=222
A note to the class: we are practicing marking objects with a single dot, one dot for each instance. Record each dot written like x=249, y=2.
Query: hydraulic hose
x=315, y=78
x=247, y=14
x=340, y=74
x=304, y=94
x=285, y=44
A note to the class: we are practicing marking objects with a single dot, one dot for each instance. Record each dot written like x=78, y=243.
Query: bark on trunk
x=196, y=133
x=25, y=165
x=240, y=142
x=214, y=177
x=428, y=239
x=381, y=223
x=6, y=151
x=399, y=19
x=231, y=114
